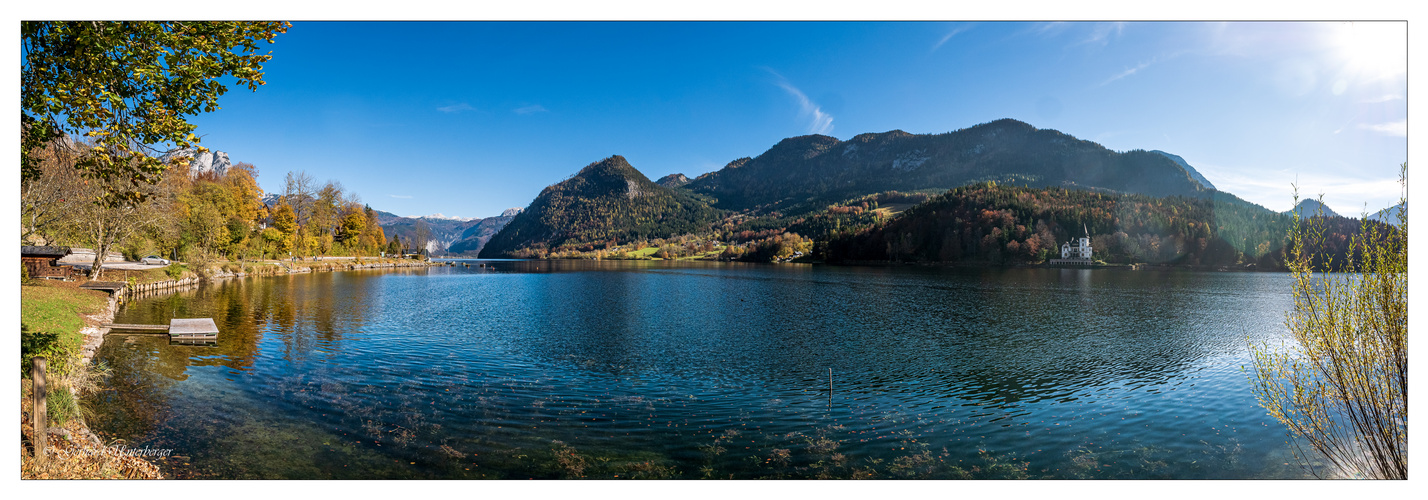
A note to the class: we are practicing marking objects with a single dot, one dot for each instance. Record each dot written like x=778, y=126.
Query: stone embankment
x=288, y=267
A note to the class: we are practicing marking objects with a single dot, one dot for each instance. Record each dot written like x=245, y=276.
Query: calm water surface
x=543, y=369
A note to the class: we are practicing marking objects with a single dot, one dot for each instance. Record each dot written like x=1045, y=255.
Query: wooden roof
x=29, y=251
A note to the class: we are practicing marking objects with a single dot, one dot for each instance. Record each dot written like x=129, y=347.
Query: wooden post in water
x=830, y=387
x=38, y=415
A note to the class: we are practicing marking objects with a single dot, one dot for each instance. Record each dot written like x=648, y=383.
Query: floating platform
x=186, y=329
x=193, y=329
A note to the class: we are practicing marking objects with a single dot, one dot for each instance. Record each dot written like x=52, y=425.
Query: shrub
x=1342, y=386
x=175, y=270
x=60, y=404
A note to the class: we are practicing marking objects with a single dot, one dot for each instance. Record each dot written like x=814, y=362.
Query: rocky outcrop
x=673, y=180
x=208, y=162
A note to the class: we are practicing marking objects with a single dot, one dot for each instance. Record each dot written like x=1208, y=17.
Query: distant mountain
x=607, y=201
x=441, y=233
x=814, y=170
x=1389, y=215
x=384, y=218
x=474, y=238
x=1309, y=207
x=1188, y=169
x=673, y=180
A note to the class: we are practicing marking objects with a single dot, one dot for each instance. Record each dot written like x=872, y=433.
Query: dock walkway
x=177, y=329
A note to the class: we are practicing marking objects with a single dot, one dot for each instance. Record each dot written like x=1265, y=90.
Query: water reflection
x=474, y=371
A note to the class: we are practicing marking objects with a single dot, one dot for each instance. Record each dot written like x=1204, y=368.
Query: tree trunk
x=99, y=252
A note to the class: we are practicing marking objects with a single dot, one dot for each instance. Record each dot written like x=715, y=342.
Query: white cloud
x=949, y=36
x=1128, y=72
x=404, y=197
x=1131, y=71
x=1396, y=129
x=1101, y=35
x=1048, y=29
x=820, y=122
x=1274, y=189
x=534, y=108
x=456, y=108
x=1383, y=98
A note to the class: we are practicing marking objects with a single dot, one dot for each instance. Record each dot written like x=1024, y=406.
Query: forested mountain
x=811, y=171
x=1002, y=192
x=1310, y=207
x=1006, y=224
x=1194, y=174
x=606, y=203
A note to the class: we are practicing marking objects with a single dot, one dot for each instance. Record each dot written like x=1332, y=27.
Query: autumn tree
x=354, y=224
x=373, y=238
x=105, y=225
x=285, y=222
x=51, y=194
x=129, y=86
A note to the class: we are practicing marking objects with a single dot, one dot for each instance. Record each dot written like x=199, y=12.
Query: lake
x=652, y=369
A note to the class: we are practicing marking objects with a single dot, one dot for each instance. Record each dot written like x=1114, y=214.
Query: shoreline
x=94, y=333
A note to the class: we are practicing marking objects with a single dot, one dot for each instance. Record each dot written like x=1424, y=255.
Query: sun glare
x=1372, y=50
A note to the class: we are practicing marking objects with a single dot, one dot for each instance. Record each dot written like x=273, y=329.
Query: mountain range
x=445, y=235
x=800, y=179
x=610, y=202
x=808, y=172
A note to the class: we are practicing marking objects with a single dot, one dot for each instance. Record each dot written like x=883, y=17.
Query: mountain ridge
x=822, y=168
x=1194, y=174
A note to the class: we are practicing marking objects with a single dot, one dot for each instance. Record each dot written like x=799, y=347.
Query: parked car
x=154, y=259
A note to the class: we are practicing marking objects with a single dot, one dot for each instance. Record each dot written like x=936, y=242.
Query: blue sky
x=467, y=119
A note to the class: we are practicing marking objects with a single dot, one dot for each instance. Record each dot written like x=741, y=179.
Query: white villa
x=1079, y=253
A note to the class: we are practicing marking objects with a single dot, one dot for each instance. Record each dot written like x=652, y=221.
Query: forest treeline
x=1009, y=224
x=992, y=224
x=192, y=216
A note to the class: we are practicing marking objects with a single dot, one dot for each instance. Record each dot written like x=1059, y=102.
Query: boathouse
x=43, y=262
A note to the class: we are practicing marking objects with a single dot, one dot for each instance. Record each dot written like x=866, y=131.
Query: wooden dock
x=185, y=329
x=129, y=327
x=108, y=286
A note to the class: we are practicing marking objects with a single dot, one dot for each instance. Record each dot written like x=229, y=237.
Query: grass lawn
x=50, y=322
x=56, y=307
x=646, y=252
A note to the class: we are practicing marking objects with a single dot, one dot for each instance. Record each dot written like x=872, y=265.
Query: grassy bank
x=51, y=317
